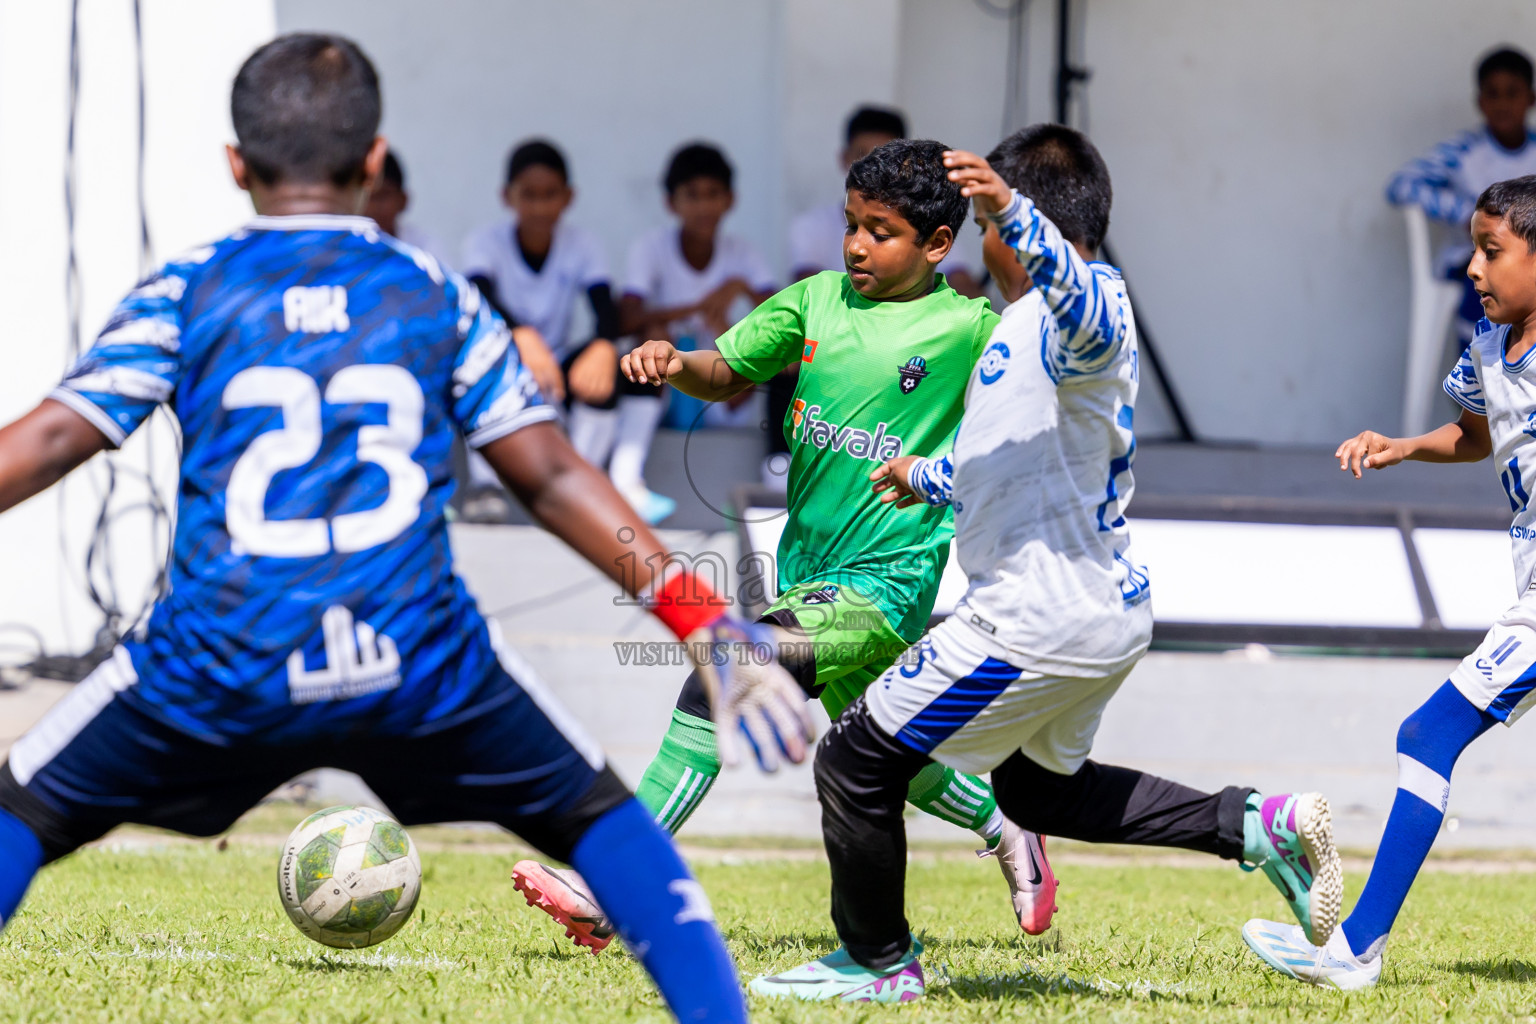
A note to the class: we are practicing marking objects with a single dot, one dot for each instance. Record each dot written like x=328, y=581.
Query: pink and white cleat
x=1033, y=884
x=561, y=893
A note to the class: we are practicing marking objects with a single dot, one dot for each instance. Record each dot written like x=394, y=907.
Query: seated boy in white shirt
x=533, y=267
x=389, y=200
x=687, y=282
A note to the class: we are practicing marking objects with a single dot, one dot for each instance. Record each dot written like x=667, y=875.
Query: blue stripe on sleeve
x=1085, y=299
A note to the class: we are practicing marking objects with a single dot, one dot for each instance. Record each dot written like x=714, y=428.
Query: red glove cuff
x=683, y=603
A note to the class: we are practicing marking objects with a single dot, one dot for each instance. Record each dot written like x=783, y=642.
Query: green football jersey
x=877, y=380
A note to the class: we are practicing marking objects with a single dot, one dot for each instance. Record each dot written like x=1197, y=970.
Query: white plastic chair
x=1432, y=302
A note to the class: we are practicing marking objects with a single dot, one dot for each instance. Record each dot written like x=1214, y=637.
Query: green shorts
x=851, y=639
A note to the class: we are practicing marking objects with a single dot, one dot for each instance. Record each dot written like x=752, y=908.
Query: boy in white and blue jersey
x=320, y=370
x=1057, y=611
x=1494, y=382
x=1447, y=181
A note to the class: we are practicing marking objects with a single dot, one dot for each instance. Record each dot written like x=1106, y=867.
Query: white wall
x=1250, y=145
x=617, y=86
x=192, y=50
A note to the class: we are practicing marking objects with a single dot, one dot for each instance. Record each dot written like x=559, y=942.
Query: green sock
x=682, y=771
x=963, y=799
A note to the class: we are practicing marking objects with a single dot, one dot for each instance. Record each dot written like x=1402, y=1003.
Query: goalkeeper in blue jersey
x=319, y=370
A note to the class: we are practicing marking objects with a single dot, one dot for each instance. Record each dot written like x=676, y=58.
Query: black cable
x=146, y=250
x=98, y=566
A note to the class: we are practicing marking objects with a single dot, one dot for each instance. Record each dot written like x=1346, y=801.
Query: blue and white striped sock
x=1428, y=744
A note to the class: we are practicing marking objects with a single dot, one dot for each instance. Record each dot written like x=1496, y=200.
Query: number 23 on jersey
x=388, y=445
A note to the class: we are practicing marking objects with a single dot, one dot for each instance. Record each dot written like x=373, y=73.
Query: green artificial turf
x=184, y=932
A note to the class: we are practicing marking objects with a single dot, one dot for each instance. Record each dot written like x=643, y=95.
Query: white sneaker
x=1030, y=879
x=1285, y=948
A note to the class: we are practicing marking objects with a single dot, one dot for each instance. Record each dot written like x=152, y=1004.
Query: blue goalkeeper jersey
x=319, y=370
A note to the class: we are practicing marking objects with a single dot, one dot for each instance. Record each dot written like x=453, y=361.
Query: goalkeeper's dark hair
x=1513, y=202
x=1506, y=60
x=909, y=176
x=1062, y=173
x=306, y=107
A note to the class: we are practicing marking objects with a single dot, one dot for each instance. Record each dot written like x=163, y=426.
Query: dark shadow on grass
x=817, y=943
x=328, y=966
x=1502, y=969
x=1025, y=982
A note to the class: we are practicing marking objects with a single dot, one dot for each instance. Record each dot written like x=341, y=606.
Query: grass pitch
x=187, y=932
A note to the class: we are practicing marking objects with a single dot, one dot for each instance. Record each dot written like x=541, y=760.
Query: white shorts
x=1500, y=676
x=968, y=709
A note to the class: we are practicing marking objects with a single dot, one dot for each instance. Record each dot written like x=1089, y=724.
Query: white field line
x=132, y=842
x=186, y=954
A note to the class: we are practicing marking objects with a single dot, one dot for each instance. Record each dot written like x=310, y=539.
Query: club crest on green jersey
x=912, y=374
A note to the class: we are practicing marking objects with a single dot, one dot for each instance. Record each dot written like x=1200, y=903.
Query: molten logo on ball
x=349, y=876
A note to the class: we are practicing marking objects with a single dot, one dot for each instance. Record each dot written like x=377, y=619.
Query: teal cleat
x=837, y=976
x=1290, y=838
x=1285, y=949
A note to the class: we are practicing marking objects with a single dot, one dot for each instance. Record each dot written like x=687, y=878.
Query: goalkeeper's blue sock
x=661, y=912
x=20, y=857
x=1428, y=744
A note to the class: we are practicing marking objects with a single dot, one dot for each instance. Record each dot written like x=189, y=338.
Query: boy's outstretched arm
x=1466, y=440
x=1092, y=326
x=37, y=450
x=578, y=504
x=703, y=374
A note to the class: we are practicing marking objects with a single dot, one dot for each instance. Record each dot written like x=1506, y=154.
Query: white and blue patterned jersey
x=1485, y=383
x=1448, y=179
x=319, y=370
x=1041, y=471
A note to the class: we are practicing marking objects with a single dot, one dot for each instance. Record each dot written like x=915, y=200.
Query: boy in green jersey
x=885, y=351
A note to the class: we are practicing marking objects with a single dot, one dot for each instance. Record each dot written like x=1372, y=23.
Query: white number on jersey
x=297, y=441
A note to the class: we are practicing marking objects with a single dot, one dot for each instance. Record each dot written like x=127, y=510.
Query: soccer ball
x=349, y=876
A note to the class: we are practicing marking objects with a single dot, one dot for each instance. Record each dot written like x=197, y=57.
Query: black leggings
x=862, y=776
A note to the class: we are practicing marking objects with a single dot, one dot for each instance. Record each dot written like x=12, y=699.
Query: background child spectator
x=389, y=200
x=533, y=267
x=1447, y=181
x=686, y=283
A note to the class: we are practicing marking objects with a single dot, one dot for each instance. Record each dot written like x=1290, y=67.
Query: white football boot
x=1285, y=948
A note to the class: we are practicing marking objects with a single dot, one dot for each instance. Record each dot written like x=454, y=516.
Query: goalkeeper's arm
x=749, y=692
